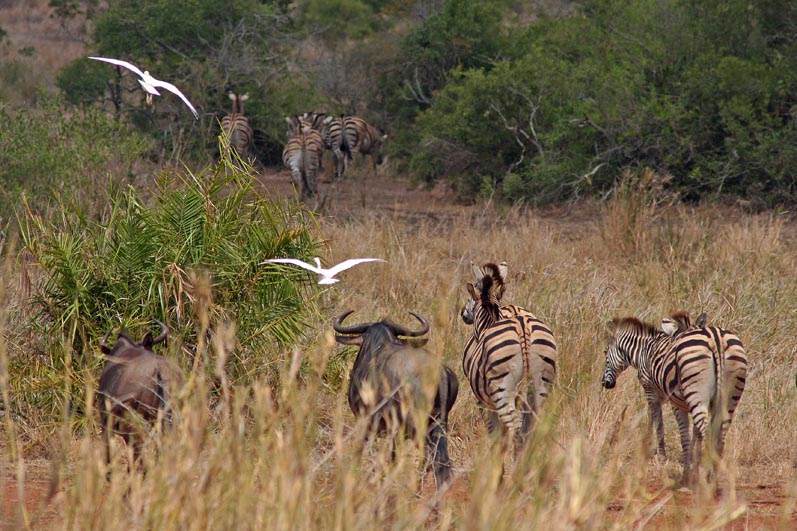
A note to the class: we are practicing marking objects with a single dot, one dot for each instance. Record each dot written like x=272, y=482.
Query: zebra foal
x=700, y=370
x=510, y=350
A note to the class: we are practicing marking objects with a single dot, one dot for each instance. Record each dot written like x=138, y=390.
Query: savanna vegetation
x=662, y=134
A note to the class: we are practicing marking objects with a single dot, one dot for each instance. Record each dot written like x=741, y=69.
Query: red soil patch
x=33, y=506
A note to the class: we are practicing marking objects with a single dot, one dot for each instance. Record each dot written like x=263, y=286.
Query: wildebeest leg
x=437, y=452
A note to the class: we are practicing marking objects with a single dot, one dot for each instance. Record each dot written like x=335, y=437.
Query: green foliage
x=51, y=154
x=341, y=18
x=189, y=259
x=638, y=84
x=464, y=34
x=206, y=48
x=83, y=81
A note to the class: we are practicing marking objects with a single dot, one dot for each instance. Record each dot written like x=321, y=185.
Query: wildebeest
x=391, y=381
x=136, y=387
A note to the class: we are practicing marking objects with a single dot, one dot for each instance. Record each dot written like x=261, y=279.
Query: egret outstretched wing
x=118, y=62
x=343, y=266
x=295, y=262
x=171, y=88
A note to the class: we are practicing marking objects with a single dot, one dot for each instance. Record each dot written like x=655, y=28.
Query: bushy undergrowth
x=53, y=154
x=573, y=101
x=203, y=232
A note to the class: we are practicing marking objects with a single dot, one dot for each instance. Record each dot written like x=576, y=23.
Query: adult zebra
x=509, y=349
x=236, y=126
x=303, y=152
x=701, y=371
x=361, y=137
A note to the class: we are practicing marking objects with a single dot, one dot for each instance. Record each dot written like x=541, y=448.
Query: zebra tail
x=719, y=411
x=345, y=148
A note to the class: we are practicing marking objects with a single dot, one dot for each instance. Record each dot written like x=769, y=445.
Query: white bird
x=325, y=274
x=148, y=83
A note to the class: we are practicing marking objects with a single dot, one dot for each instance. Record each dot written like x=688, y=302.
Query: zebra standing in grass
x=331, y=129
x=236, y=126
x=303, y=152
x=361, y=137
x=701, y=371
x=509, y=349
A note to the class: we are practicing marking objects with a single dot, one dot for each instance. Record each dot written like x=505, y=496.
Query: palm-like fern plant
x=149, y=260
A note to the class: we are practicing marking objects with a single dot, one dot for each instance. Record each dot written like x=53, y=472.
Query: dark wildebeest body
x=136, y=387
x=398, y=385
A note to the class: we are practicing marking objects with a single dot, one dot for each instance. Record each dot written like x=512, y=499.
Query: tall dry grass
x=256, y=457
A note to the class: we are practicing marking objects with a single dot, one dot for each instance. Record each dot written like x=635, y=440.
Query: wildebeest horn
x=103, y=345
x=406, y=332
x=164, y=332
x=354, y=329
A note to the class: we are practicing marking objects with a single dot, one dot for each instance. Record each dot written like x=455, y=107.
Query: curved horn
x=104, y=348
x=406, y=332
x=164, y=332
x=337, y=324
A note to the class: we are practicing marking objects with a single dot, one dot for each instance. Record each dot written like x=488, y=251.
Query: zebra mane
x=682, y=318
x=487, y=291
x=493, y=271
x=635, y=325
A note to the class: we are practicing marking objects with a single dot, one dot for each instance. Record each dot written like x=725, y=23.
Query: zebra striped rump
x=509, y=350
x=302, y=155
x=701, y=370
x=236, y=126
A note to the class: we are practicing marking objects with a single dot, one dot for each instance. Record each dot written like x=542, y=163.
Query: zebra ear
x=503, y=270
x=477, y=271
x=327, y=119
x=231, y=96
x=669, y=326
x=245, y=97
x=384, y=137
x=701, y=320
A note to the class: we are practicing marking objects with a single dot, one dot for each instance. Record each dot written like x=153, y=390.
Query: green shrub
x=51, y=153
x=190, y=259
x=622, y=85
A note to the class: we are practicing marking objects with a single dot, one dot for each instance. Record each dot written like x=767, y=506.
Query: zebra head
x=617, y=356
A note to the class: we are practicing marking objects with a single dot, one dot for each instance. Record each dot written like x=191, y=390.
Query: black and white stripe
x=236, y=125
x=302, y=154
x=700, y=371
x=361, y=137
x=509, y=350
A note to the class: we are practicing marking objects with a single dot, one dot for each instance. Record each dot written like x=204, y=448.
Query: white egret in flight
x=149, y=83
x=327, y=275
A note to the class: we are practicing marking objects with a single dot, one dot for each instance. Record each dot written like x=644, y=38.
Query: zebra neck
x=483, y=319
x=646, y=347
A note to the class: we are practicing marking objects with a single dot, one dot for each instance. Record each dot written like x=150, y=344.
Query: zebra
x=334, y=142
x=236, y=126
x=331, y=129
x=361, y=137
x=509, y=348
x=700, y=370
x=303, y=153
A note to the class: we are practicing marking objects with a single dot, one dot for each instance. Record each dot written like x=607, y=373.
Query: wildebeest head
x=124, y=342
x=385, y=330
